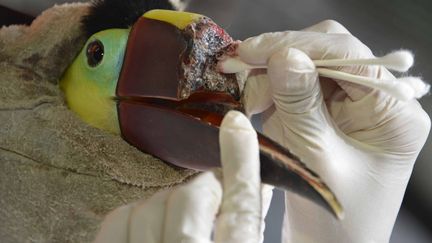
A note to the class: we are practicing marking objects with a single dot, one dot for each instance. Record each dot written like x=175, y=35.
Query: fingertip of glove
x=294, y=60
x=235, y=120
x=292, y=72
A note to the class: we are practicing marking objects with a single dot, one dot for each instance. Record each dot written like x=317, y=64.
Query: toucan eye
x=95, y=53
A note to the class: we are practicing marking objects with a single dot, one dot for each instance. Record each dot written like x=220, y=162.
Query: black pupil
x=95, y=53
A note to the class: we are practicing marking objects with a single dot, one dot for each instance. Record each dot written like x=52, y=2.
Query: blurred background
x=383, y=25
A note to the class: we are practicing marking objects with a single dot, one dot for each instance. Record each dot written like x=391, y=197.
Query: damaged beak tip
x=179, y=19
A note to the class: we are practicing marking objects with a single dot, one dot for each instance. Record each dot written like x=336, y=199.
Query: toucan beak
x=167, y=111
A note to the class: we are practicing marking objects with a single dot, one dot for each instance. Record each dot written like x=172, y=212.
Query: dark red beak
x=166, y=113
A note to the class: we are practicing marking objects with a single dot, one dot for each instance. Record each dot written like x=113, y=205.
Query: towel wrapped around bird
x=59, y=176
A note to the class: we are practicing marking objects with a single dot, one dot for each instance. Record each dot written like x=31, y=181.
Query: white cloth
x=362, y=142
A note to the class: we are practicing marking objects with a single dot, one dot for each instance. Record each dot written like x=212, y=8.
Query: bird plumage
x=113, y=14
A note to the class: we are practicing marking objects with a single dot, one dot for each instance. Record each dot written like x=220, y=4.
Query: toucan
x=148, y=74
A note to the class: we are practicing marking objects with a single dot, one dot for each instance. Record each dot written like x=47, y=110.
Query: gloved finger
x=258, y=50
x=300, y=117
x=359, y=117
x=266, y=198
x=293, y=74
x=294, y=81
x=328, y=26
x=114, y=228
x=146, y=222
x=240, y=215
x=354, y=91
x=136, y=222
x=388, y=125
x=257, y=95
x=191, y=210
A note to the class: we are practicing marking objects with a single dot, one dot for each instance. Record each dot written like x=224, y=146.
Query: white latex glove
x=229, y=200
x=362, y=142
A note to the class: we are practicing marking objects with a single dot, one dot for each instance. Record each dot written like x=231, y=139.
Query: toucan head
x=149, y=74
x=164, y=54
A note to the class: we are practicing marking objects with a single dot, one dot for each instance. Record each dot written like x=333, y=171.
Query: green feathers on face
x=90, y=82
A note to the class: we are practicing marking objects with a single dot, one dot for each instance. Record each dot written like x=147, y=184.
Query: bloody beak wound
x=171, y=101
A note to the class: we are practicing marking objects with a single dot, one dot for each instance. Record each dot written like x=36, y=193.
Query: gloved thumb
x=300, y=121
x=293, y=80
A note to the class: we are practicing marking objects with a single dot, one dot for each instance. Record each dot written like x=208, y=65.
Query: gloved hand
x=187, y=213
x=361, y=141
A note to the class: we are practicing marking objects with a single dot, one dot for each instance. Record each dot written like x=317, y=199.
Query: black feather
x=108, y=14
